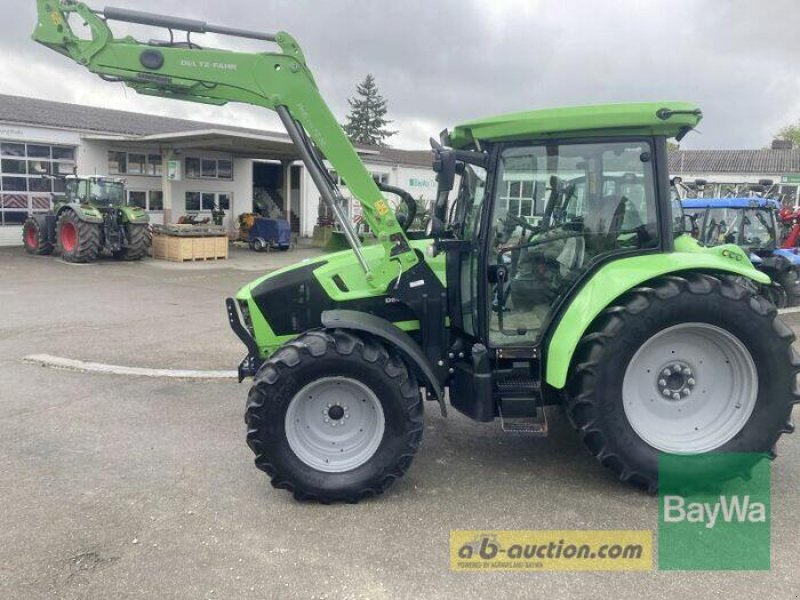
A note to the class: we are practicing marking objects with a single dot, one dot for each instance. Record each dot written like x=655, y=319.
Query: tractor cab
x=556, y=208
x=100, y=192
x=747, y=222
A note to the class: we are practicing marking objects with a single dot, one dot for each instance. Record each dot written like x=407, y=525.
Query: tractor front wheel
x=34, y=237
x=78, y=241
x=139, y=240
x=685, y=365
x=334, y=417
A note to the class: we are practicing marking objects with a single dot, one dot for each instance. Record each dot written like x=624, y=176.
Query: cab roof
x=730, y=203
x=670, y=119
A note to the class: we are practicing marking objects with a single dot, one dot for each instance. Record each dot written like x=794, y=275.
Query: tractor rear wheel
x=78, y=241
x=334, y=417
x=685, y=365
x=34, y=237
x=138, y=242
x=790, y=282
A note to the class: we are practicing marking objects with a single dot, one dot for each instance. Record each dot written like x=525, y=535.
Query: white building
x=172, y=166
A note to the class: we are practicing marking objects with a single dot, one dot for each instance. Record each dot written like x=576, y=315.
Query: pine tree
x=366, y=123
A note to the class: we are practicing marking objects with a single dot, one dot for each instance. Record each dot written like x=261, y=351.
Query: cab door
x=560, y=210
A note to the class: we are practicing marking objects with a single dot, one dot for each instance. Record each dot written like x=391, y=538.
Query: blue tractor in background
x=752, y=224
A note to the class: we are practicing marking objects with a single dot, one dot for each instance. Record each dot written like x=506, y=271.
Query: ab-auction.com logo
x=551, y=550
x=719, y=522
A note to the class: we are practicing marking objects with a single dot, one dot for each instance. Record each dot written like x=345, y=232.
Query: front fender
x=85, y=213
x=619, y=276
x=134, y=214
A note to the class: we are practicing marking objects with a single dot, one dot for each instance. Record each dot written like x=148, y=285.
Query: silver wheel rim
x=690, y=388
x=335, y=424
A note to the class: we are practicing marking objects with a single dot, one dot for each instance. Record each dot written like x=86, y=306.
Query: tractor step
x=523, y=415
x=517, y=386
x=524, y=426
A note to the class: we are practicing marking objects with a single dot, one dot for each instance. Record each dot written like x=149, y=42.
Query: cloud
x=442, y=62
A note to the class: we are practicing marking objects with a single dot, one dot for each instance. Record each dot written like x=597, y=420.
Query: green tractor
x=591, y=297
x=92, y=217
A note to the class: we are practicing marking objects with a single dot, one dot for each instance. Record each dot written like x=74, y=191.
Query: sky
x=441, y=62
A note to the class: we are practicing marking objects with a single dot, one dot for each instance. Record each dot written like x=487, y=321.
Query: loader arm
x=280, y=81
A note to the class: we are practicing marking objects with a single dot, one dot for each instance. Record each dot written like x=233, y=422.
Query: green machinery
x=553, y=271
x=92, y=217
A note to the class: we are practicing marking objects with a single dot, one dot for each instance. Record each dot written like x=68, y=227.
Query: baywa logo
x=730, y=509
x=714, y=512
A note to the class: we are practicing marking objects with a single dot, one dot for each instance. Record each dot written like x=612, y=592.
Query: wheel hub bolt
x=675, y=381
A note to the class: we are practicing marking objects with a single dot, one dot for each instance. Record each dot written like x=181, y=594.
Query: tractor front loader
x=553, y=271
x=92, y=217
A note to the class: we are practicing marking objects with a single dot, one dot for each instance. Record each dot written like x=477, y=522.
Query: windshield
x=753, y=227
x=107, y=192
x=464, y=216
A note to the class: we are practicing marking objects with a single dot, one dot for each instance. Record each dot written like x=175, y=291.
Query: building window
x=8, y=149
x=60, y=153
x=152, y=200
x=156, y=200
x=207, y=201
x=519, y=198
x=37, y=151
x=381, y=178
x=154, y=165
x=134, y=163
x=225, y=169
x=14, y=167
x=208, y=168
x=137, y=164
x=117, y=163
x=193, y=168
x=26, y=185
x=193, y=201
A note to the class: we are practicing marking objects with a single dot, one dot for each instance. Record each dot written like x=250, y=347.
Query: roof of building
x=104, y=121
x=765, y=161
x=672, y=119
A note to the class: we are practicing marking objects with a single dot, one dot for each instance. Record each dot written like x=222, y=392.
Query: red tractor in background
x=790, y=220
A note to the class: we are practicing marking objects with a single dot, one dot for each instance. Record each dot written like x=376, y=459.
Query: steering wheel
x=407, y=219
x=519, y=222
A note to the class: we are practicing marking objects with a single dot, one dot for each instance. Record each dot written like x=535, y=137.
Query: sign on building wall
x=174, y=170
x=790, y=179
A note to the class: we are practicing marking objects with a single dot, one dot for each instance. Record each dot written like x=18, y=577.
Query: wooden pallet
x=183, y=249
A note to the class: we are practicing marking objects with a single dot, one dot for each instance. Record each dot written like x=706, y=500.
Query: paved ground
x=122, y=487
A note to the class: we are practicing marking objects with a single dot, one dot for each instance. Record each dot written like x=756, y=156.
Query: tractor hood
x=286, y=302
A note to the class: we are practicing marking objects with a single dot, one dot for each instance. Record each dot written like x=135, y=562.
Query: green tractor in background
x=91, y=218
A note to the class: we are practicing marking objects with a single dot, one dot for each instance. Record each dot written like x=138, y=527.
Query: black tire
x=318, y=354
x=790, y=282
x=85, y=247
x=139, y=240
x=34, y=237
x=594, y=390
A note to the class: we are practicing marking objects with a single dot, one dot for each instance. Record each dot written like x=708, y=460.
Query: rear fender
x=614, y=279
